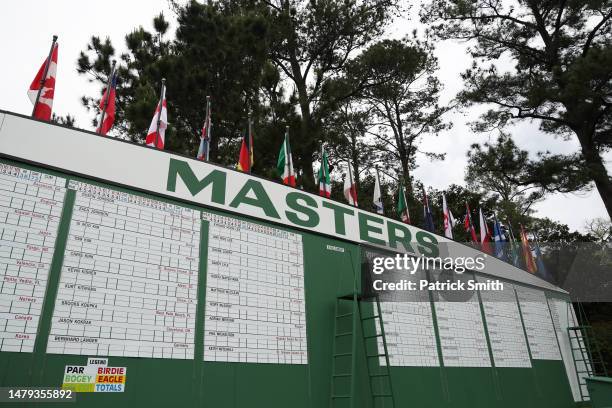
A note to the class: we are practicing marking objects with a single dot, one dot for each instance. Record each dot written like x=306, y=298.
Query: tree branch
x=593, y=33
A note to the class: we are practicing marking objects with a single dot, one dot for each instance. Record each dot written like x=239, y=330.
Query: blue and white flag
x=499, y=239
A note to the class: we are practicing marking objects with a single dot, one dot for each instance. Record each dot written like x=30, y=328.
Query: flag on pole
x=350, y=188
x=499, y=239
x=323, y=176
x=485, y=235
x=402, y=205
x=449, y=220
x=427, y=216
x=204, y=148
x=516, y=257
x=107, y=104
x=527, y=254
x=377, y=199
x=469, y=225
x=245, y=159
x=42, y=88
x=284, y=165
x=159, y=124
x=542, y=271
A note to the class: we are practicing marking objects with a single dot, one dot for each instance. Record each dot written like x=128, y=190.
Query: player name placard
x=506, y=334
x=128, y=284
x=462, y=333
x=409, y=329
x=30, y=209
x=538, y=324
x=255, y=308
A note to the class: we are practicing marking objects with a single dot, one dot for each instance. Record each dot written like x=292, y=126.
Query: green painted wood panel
x=329, y=271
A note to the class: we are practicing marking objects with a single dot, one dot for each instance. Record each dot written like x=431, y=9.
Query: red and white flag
x=157, y=130
x=449, y=220
x=44, y=106
x=485, y=235
x=350, y=188
x=107, y=106
x=469, y=226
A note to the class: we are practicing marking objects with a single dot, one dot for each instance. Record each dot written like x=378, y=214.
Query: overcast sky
x=26, y=28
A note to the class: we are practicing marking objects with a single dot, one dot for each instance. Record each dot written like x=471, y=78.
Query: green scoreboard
x=138, y=278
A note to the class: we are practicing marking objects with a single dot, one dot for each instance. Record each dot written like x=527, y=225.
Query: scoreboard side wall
x=329, y=268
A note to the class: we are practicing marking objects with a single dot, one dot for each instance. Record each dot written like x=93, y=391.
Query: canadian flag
x=46, y=86
x=157, y=130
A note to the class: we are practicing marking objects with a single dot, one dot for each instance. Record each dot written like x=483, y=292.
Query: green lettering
x=302, y=203
x=399, y=233
x=260, y=200
x=428, y=244
x=182, y=169
x=339, y=213
x=365, y=228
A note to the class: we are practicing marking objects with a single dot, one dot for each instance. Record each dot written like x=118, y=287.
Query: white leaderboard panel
x=128, y=283
x=255, y=309
x=409, y=330
x=30, y=209
x=506, y=333
x=538, y=324
x=462, y=335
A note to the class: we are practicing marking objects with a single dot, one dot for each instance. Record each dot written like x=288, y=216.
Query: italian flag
x=324, y=180
x=402, y=205
x=285, y=163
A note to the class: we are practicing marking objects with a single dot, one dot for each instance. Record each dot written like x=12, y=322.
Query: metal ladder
x=383, y=394
x=587, y=357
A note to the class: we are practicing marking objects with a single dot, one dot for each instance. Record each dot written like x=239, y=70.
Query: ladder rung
x=343, y=354
x=370, y=317
x=380, y=375
x=344, y=334
x=376, y=355
x=341, y=396
x=381, y=395
x=371, y=337
x=344, y=315
x=342, y=375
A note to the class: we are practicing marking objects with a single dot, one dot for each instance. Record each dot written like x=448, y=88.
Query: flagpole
x=208, y=126
x=44, y=77
x=351, y=181
x=107, y=93
x=379, y=186
x=249, y=137
x=161, y=102
x=289, y=162
x=469, y=214
x=323, y=171
x=510, y=230
x=405, y=182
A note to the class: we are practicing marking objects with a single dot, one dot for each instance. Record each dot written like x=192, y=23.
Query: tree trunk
x=407, y=185
x=598, y=172
x=307, y=138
